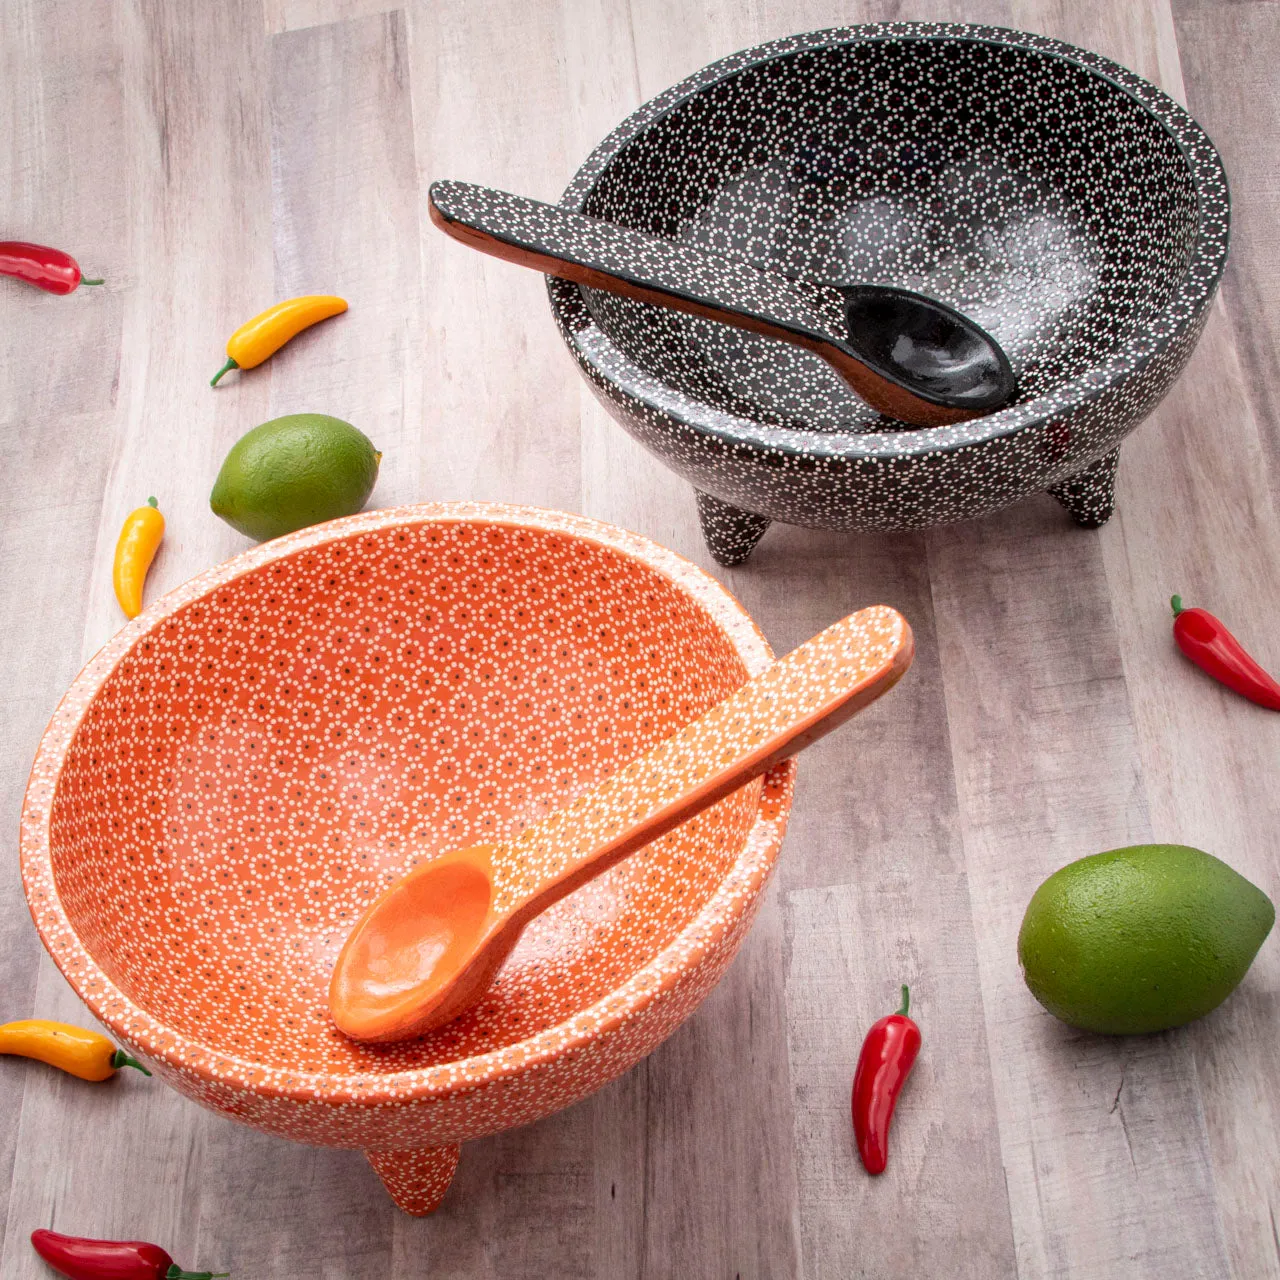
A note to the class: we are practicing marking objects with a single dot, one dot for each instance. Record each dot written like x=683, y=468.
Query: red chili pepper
x=82, y=1259
x=1214, y=649
x=37, y=264
x=888, y=1054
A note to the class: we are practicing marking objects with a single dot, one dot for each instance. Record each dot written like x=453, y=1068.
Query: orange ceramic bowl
x=245, y=766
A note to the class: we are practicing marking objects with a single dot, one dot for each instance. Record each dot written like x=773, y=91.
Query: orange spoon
x=429, y=947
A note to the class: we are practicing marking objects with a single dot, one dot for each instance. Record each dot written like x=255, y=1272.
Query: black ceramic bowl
x=1071, y=208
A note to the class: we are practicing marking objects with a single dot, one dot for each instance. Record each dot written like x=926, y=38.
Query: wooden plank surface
x=1224, y=794
x=1016, y=596
x=1229, y=72
x=49, y=533
x=192, y=167
x=207, y=159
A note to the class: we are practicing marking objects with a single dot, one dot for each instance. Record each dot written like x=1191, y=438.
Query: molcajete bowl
x=240, y=770
x=1071, y=208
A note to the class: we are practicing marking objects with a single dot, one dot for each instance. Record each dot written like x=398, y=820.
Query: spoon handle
x=605, y=256
x=789, y=705
x=681, y=277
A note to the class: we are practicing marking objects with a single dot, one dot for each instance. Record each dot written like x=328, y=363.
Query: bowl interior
x=266, y=759
x=1034, y=195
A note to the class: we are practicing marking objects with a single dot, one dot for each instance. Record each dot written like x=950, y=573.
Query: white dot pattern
x=864, y=649
x=797, y=305
x=416, y=1180
x=1068, y=206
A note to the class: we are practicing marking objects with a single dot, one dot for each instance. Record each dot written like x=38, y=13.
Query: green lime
x=1141, y=939
x=292, y=472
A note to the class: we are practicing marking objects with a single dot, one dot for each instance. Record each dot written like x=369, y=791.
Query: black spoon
x=906, y=355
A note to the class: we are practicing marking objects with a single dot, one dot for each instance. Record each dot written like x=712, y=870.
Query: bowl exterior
x=908, y=480
x=902, y=479
x=447, y=1102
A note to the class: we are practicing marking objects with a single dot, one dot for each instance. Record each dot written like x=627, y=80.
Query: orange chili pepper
x=87, y=1054
x=264, y=335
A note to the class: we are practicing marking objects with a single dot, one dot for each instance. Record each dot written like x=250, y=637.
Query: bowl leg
x=416, y=1180
x=730, y=533
x=1090, y=495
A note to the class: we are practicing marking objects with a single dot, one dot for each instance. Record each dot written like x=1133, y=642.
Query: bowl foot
x=730, y=533
x=416, y=1180
x=1090, y=495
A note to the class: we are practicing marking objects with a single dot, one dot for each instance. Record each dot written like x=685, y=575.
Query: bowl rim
x=1182, y=313
x=731, y=899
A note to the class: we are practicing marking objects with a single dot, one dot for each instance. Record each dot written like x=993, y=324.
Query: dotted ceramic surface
x=239, y=772
x=429, y=947
x=1069, y=207
x=869, y=647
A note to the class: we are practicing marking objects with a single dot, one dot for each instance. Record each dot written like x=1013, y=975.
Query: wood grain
x=55, y=422
x=1229, y=68
x=876, y=894
x=1046, y=769
x=209, y=159
x=1197, y=482
x=345, y=202
x=499, y=421
x=1199, y=479
x=193, y=163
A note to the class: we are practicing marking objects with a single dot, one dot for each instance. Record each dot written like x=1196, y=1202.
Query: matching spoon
x=907, y=355
x=429, y=947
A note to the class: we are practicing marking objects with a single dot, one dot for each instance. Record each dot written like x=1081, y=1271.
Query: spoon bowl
x=926, y=345
x=431, y=929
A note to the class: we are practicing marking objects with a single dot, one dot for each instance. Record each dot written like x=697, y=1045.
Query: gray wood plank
x=876, y=894
x=1196, y=516
x=940, y=1208
x=524, y=1203
x=1186, y=1204
x=296, y=15
x=126, y=1160
x=1193, y=495
x=345, y=186
x=1046, y=769
x=499, y=410
x=45, y=560
x=1229, y=55
x=65, y=114
x=57, y=386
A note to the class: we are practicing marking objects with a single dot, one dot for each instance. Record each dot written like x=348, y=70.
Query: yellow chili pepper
x=135, y=550
x=86, y=1054
x=264, y=335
